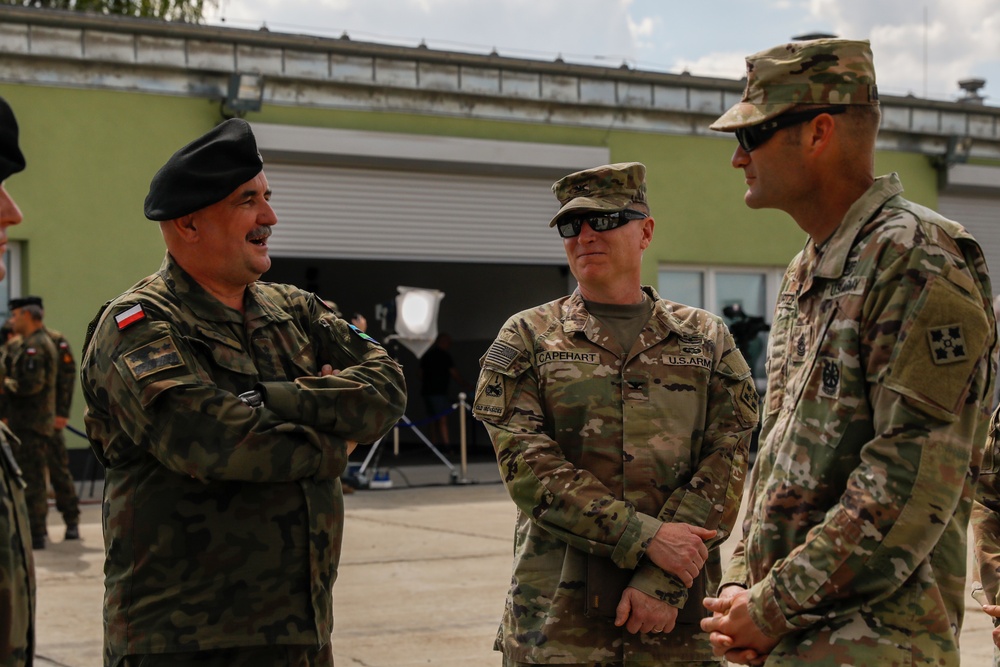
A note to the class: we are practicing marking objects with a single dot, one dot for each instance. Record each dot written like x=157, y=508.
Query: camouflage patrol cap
x=819, y=71
x=608, y=188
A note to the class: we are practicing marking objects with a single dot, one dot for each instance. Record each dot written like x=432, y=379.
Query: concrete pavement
x=422, y=580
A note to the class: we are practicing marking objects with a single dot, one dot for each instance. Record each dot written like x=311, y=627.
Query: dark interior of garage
x=478, y=299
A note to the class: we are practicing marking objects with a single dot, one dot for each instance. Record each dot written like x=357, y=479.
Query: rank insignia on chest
x=799, y=343
x=829, y=386
x=947, y=344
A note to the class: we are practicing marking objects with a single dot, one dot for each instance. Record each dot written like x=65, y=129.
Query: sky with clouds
x=923, y=47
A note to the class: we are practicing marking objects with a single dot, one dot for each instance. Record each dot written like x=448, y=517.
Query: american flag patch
x=130, y=316
x=501, y=355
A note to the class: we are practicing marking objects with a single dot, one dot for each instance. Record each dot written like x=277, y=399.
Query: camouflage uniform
x=223, y=522
x=31, y=390
x=597, y=449
x=986, y=521
x=17, y=580
x=56, y=457
x=879, y=378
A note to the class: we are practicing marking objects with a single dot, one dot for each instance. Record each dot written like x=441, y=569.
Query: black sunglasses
x=570, y=226
x=753, y=137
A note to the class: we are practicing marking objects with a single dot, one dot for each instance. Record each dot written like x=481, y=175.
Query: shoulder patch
x=493, y=395
x=500, y=355
x=947, y=344
x=361, y=334
x=129, y=317
x=154, y=357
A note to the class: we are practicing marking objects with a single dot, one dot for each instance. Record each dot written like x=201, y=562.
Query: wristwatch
x=253, y=398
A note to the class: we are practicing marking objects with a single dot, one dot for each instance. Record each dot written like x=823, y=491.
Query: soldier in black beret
x=213, y=404
x=17, y=579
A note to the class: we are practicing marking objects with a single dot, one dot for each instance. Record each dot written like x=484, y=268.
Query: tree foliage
x=188, y=11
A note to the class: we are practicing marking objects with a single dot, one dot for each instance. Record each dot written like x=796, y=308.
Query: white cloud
x=709, y=38
x=960, y=37
x=728, y=65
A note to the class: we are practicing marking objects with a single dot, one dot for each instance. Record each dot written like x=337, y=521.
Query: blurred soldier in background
x=30, y=389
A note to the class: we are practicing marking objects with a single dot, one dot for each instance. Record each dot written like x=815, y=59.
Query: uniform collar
x=831, y=259
x=576, y=317
x=206, y=307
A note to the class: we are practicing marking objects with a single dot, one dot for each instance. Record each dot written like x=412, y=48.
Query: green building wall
x=91, y=154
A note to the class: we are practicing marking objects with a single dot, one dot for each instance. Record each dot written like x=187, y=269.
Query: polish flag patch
x=130, y=317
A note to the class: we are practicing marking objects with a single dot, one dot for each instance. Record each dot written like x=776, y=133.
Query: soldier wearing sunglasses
x=621, y=423
x=880, y=371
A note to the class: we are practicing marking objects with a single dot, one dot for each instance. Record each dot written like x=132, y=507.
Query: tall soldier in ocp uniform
x=881, y=364
x=17, y=570
x=223, y=409
x=621, y=423
x=30, y=387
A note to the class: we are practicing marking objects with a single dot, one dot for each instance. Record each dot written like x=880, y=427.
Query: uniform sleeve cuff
x=285, y=400
x=734, y=574
x=637, y=536
x=766, y=612
x=653, y=581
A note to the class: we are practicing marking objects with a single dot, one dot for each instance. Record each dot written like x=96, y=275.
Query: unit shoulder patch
x=492, y=396
x=947, y=344
x=151, y=358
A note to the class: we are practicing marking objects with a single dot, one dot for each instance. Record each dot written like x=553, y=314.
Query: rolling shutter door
x=980, y=215
x=362, y=213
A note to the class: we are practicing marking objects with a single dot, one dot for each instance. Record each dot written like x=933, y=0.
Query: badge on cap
x=130, y=317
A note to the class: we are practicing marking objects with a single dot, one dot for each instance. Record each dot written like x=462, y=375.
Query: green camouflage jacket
x=17, y=571
x=880, y=368
x=597, y=451
x=30, y=386
x=223, y=522
x=65, y=372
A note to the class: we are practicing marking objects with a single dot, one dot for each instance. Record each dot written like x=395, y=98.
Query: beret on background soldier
x=820, y=71
x=606, y=189
x=23, y=301
x=11, y=158
x=204, y=172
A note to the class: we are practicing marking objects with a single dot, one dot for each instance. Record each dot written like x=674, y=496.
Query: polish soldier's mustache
x=259, y=235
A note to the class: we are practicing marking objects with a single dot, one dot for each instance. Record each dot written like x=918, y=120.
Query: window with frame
x=743, y=297
x=10, y=287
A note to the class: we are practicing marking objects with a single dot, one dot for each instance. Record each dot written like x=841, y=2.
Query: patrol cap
x=204, y=172
x=604, y=189
x=819, y=71
x=11, y=158
x=23, y=301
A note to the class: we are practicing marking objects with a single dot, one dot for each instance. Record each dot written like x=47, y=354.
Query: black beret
x=11, y=159
x=204, y=172
x=25, y=301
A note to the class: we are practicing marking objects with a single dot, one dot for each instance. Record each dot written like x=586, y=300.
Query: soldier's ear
x=185, y=227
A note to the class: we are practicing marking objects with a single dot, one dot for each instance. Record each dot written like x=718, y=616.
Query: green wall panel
x=91, y=155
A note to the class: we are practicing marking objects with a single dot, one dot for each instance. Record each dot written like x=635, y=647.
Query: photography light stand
x=452, y=472
x=412, y=316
